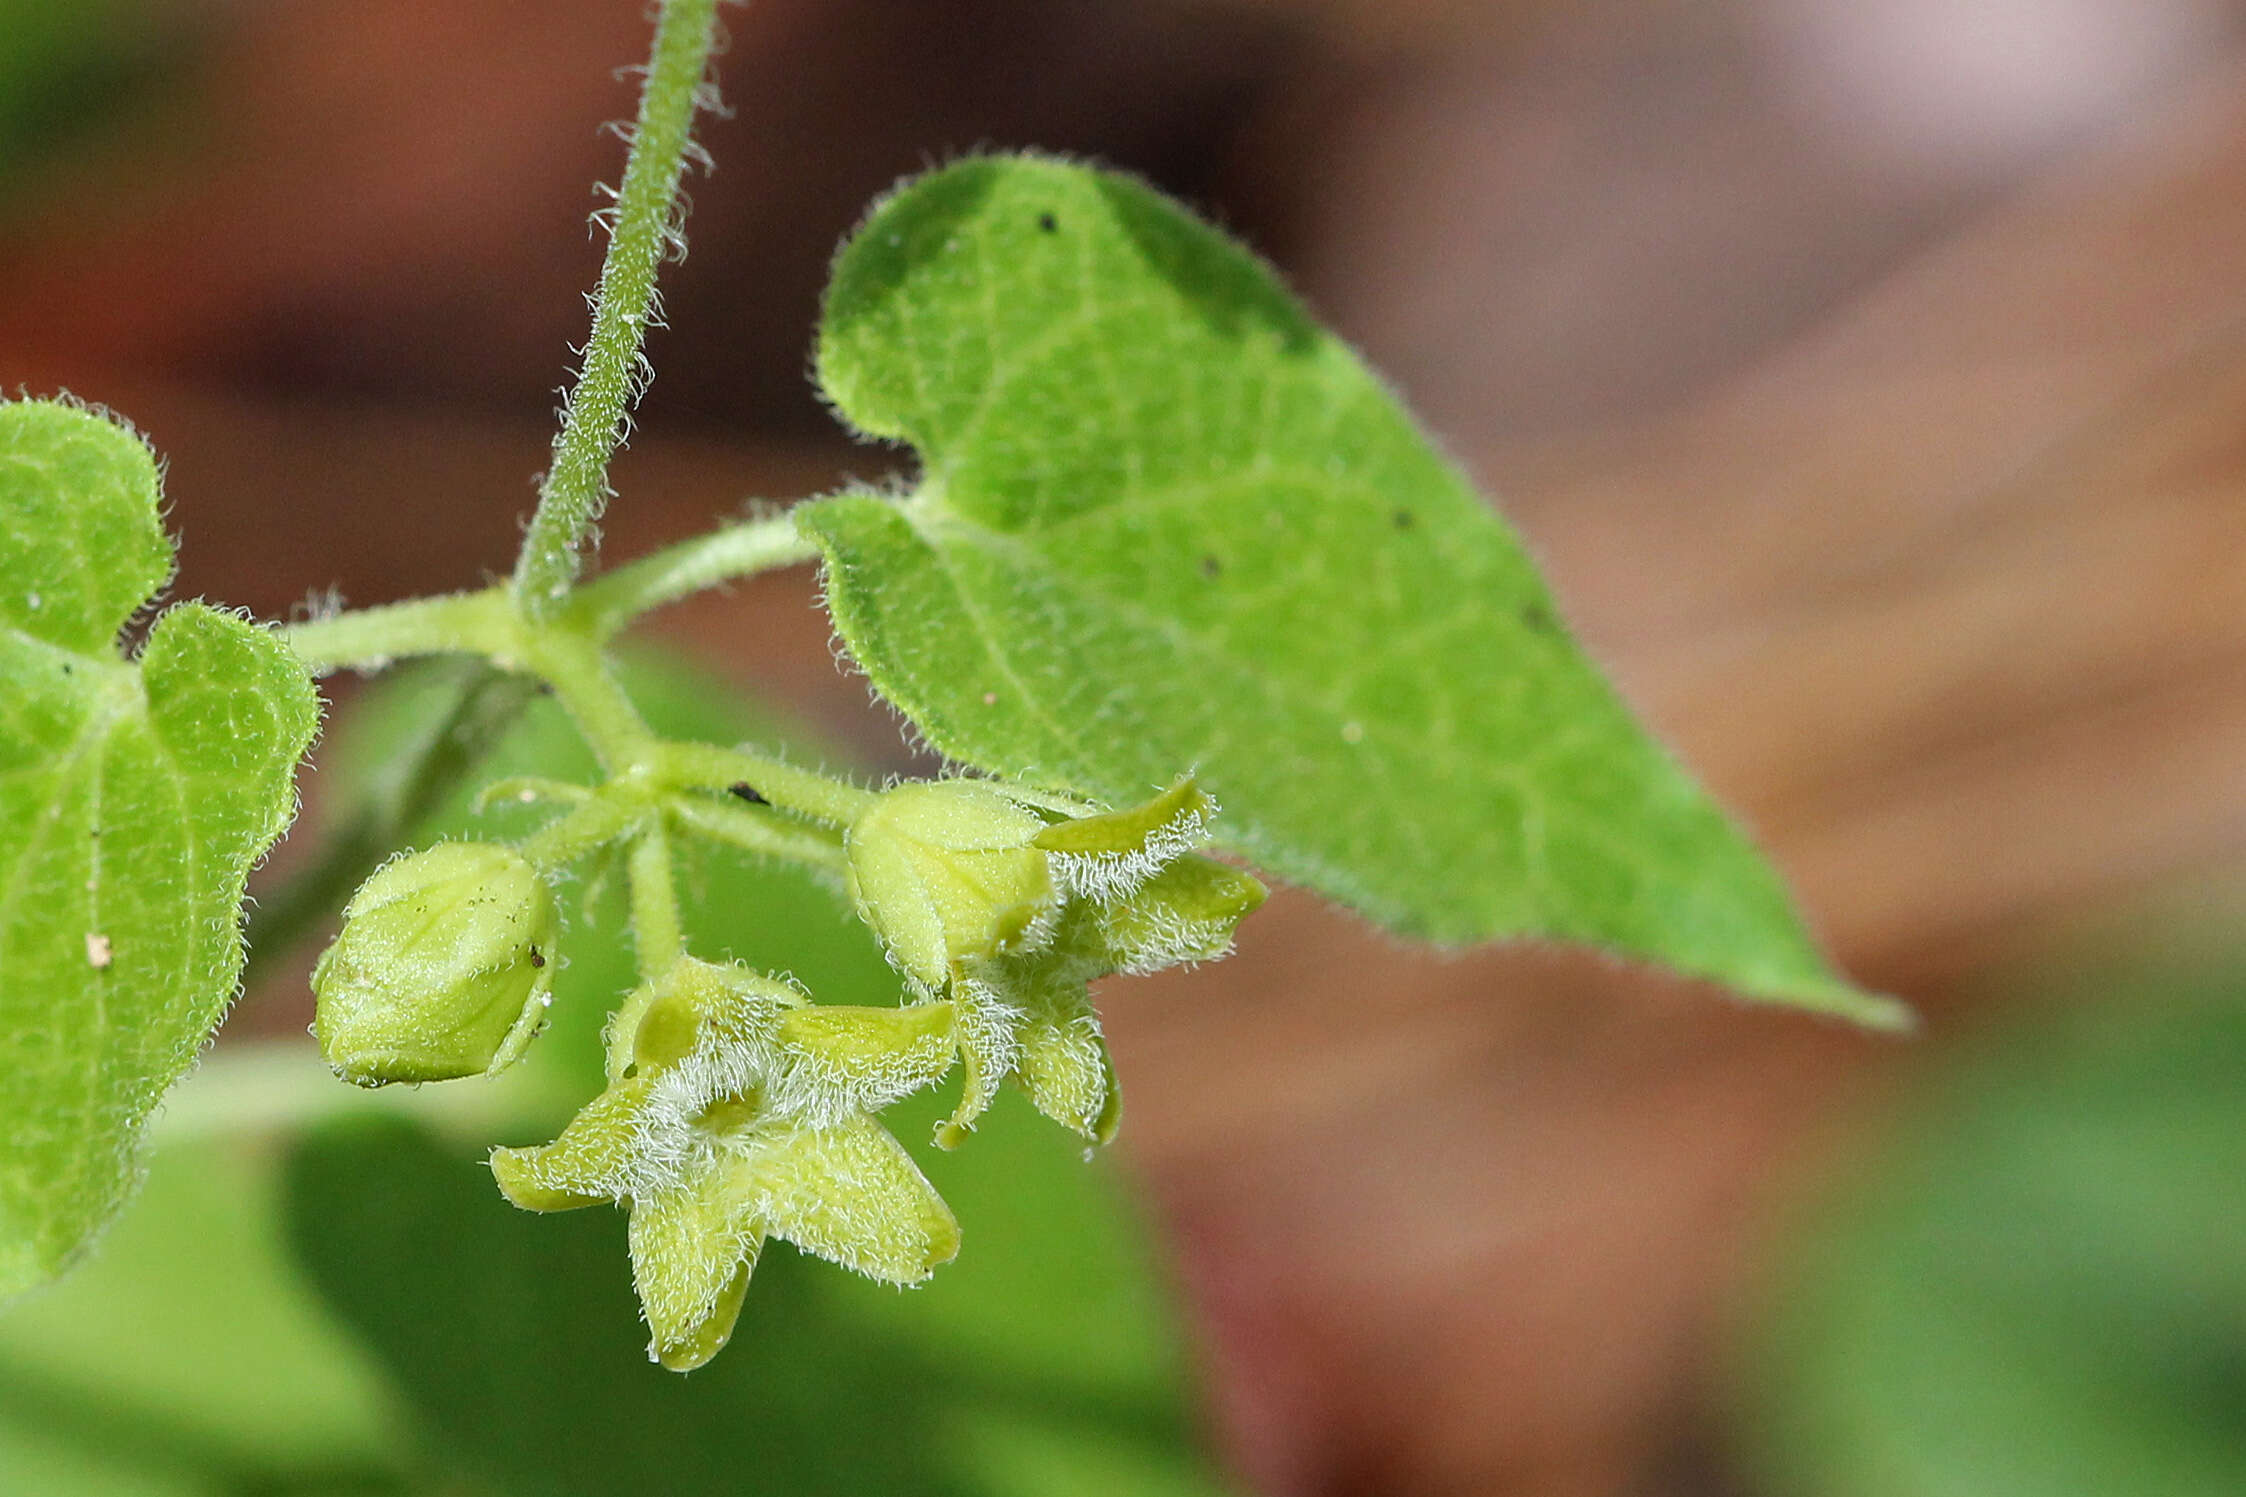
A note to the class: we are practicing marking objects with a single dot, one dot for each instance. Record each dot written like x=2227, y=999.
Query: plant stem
x=705, y=766
x=657, y=936
x=527, y=790
x=562, y=842
x=569, y=658
x=588, y=690
x=612, y=372
x=370, y=638
x=757, y=829
x=608, y=603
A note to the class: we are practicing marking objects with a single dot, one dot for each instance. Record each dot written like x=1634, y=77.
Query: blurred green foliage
x=322, y=1291
x=2037, y=1288
x=63, y=64
x=189, y=1356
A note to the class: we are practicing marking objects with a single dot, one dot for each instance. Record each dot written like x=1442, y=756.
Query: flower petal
x=845, y=1059
x=989, y=1043
x=591, y=1162
x=1105, y=857
x=1064, y=1064
x=692, y=1251
x=1185, y=913
x=708, y=1339
x=852, y=1195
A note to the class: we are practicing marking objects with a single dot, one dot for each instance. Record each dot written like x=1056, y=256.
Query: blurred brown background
x=1872, y=378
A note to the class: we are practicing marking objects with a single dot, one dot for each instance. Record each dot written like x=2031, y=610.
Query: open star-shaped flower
x=746, y=1114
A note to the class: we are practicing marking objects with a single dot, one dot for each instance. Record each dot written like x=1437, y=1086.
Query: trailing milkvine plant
x=1170, y=545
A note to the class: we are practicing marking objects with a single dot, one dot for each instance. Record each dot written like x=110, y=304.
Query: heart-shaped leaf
x=1166, y=522
x=134, y=796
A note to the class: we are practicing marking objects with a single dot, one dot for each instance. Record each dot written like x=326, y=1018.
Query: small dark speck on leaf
x=68, y=669
x=746, y=791
x=537, y=957
x=1405, y=519
x=1537, y=616
x=1048, y=224
x=1210, y=566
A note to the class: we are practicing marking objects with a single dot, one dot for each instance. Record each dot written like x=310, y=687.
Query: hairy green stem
x=609, y=602
x=486, y=624
x=562, y=842
x=578, y=670
x=612, y=373
x=658, y=938
x=704, y=766
x=569, y=658
x=478, y=623
x=528, y=790
x=758, y=829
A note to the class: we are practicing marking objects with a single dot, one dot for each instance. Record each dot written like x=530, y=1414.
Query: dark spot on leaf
x=746, y=791
x=1404, y=519
x=1048, y=224
x=537, y=957
x=1210, y=566
x=1538, y=617
x=68, y=669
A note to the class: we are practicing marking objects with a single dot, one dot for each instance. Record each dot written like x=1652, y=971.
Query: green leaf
x=1165, y=522
x=2033, y=1287
x=134, y=796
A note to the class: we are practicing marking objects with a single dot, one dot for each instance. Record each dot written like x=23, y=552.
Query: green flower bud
x=944, y=872
x=444, y=967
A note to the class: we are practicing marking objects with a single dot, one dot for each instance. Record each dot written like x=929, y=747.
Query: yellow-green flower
x=747, y=1115
x=1012, y=912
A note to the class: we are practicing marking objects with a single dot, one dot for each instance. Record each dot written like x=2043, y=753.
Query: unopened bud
x=443, y=969
x=944, y=872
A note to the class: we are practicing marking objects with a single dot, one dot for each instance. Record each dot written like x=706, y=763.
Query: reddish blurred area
x=1871, y=379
